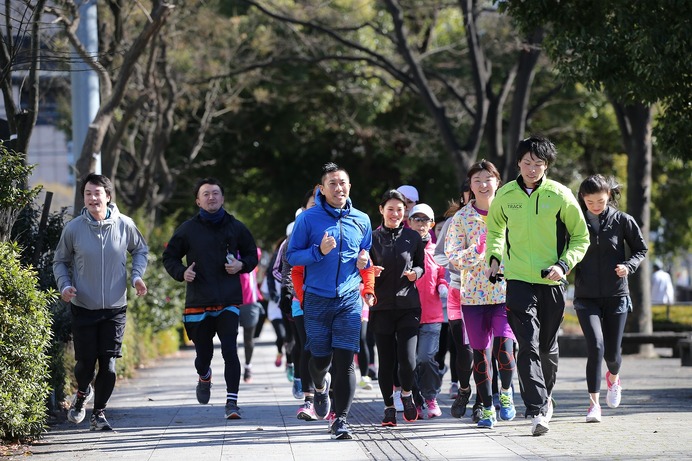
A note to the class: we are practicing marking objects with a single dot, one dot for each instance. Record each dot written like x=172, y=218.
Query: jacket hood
x=321, y=201
x=114, y=214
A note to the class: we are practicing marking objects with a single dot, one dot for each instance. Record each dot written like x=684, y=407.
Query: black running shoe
x=203, y=391
x=477, y=412
x=99, y=422
x=322, y=403
x=389, y=419
x=341, y=430
x=459, y=406
x=232, y=411
x=410, y=410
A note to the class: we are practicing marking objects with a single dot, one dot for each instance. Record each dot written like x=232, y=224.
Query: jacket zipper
x=338, y=262
x=103, y=267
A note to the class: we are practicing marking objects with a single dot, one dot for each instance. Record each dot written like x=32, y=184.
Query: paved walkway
x=157, y=417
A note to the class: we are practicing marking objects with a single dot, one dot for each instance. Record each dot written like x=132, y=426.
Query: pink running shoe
x=331, y=417
x=307, y=412
x=433, y=409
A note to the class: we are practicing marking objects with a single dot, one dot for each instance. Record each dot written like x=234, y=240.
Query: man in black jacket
x=217, y=247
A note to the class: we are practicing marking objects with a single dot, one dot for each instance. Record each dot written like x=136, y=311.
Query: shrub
x=27, y=234
x=24, y=339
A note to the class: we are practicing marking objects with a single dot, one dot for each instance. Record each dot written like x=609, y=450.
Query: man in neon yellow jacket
x=537, y=229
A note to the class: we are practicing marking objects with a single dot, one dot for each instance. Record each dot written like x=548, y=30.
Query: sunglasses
x=418, y=219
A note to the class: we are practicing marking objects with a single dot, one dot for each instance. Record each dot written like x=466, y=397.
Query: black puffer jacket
x=397, y=250
x=206, y=244
x=595, y=274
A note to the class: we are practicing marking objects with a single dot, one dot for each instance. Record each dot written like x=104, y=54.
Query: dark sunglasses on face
x=426, y=220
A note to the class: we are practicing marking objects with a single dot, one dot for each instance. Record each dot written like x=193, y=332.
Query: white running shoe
x=398, y=404
x=614, y=392
x=594, y=414
x=539, y=425
x=549, y=411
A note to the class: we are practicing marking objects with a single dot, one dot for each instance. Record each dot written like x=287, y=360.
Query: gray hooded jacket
x=92, y=257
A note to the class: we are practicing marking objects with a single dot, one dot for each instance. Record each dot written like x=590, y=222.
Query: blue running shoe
x=488, y=418
x=298, y=389
x=322, y=403
x=507, y=410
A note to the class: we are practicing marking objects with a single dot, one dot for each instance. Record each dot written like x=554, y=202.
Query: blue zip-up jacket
x=335, y=274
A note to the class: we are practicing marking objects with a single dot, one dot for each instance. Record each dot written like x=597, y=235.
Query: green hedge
x=25, y=334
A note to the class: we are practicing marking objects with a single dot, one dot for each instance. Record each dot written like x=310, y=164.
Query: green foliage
x=29, y=236
x=637, y=51
x=14, y=174
x=671, y=221
x=24, y=338
x=162, y=307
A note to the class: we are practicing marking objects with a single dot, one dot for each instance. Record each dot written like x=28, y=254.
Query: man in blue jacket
x=331, y=241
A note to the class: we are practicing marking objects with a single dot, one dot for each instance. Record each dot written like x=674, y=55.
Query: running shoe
x=443, y=371
x=247, y=375
x=322, y=403
x=204, y=391
x=398, y=404
x=77, y=412
x=459, y=406
x=477, y=412
x=549, y=411
x=298, y=389
x=99, y=422
x=365, y=383
x=594, y=414
x=614, y=392
x=507, y=410
x=410, y=410
x=433, y=409
x=290, y=372
x=488, y=418
x=419, y=410
x=496, y=402
x=372, y=373
x=389, y=419
x=307, y=412
x=232, y=411
x=279, y=360
x=539, y=425
x=341, y=430
x=453, y=390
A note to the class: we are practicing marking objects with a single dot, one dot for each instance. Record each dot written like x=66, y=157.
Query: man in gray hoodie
x=90, y=269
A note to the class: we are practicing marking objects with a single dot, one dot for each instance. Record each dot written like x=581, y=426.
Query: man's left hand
x=234, y=267
x=140, y=287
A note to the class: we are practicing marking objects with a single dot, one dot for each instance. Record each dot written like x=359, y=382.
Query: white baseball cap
x=289, y=228
x=423, y=209
x=409, y=192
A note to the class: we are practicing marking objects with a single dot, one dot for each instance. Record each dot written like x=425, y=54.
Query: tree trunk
x=528, y=58
x=636, y=126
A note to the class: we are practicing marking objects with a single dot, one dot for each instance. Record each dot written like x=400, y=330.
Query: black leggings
x=226, y=327
x=464, y=353
x=392, y=349
x=364, y=353
x=248, y=343
x=302, y=355
x=603, y=335
x=105, y=379
x=343, y=379
x=503, y=352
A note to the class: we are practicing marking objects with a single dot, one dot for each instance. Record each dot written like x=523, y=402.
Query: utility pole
x=85, y=83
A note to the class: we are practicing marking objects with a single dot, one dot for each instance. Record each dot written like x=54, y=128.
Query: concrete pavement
x=156, y=417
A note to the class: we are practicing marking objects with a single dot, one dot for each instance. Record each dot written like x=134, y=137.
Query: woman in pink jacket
x=431, y=286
